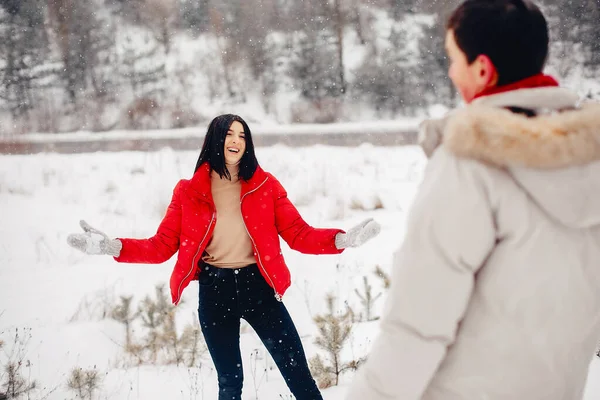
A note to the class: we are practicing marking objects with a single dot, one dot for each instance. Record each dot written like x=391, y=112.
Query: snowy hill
x=158, y=64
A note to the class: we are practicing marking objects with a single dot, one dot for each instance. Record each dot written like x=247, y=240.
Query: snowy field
x=54, y=296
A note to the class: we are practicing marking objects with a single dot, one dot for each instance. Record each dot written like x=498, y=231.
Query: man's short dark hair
x=512, y=33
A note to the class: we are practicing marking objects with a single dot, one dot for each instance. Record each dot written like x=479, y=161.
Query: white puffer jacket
x=496, y=288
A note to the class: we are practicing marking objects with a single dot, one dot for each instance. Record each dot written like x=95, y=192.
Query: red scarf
x=535, y=81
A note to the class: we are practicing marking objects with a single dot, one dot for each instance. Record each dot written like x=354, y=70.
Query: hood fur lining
x=505, y=139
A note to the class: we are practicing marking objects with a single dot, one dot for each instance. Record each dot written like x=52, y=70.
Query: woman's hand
x=358, y=234
x=93, y=241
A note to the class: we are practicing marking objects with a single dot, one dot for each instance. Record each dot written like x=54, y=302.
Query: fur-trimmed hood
x=554, y=156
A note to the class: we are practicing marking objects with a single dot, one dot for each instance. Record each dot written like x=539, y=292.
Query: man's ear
x=487, y=76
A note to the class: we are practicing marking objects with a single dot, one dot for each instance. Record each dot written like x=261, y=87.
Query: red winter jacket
x=190, y=220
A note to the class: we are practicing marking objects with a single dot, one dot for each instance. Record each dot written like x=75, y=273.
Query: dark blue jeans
x=226, y=295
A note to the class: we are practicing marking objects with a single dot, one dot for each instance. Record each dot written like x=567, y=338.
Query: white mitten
x=93, y=241
x=358, y=234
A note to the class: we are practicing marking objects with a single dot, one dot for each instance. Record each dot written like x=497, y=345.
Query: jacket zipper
x=194, y=258
x=277, y=295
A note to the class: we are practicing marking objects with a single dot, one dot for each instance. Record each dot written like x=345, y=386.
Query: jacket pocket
x=207, y=275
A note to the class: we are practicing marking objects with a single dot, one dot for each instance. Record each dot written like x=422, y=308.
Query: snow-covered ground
x=53, y=294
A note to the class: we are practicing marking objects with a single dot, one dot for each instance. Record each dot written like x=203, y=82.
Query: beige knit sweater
x=230, y=245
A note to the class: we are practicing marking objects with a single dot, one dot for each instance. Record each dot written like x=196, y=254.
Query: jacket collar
x=535, y=81
x=200, y=182
x=544, y=99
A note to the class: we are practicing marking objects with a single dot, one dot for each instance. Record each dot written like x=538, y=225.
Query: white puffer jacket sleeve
x=450, y=233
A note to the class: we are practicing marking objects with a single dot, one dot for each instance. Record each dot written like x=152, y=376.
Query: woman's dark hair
x=512, y=33
x=214, y=143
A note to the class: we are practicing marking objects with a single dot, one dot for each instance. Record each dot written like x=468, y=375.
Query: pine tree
x=334, y=331
x=316, y=45
x=153, y=314
x=23, y=49
x=367, y=299
x=433, y=62
x=195, y=17
x=123, y=313
x=84, y=382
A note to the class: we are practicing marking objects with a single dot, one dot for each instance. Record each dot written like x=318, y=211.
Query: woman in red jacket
x=226, y=222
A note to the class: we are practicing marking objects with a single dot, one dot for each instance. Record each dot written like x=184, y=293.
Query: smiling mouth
x=233, y=150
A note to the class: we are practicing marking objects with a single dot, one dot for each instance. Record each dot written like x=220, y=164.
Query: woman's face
x=235, y=143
